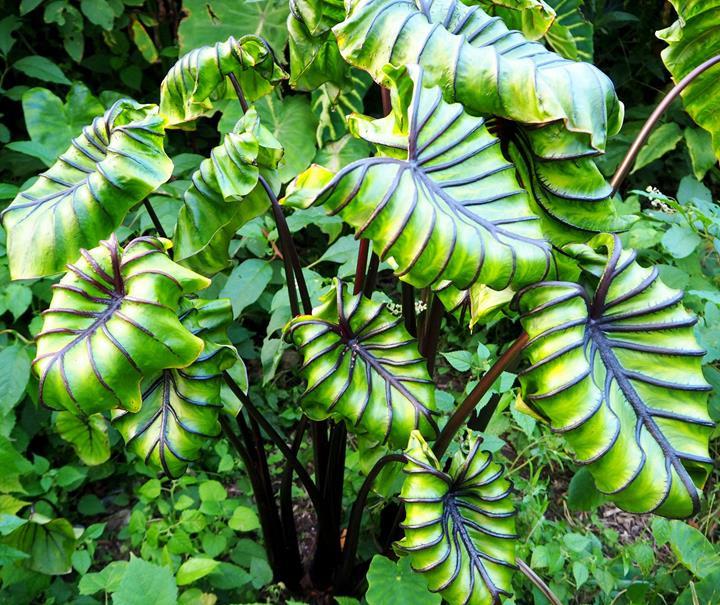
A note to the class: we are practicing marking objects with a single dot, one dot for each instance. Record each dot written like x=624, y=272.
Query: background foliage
x=119, y=531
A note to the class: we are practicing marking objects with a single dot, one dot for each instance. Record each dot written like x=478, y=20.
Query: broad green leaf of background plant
x=395, y=582
x=693, y=39
x=565, y=110
x=87, y=434
x=49, y=544
x=362, y=366
x=619, y=374
x=209, y=21
x=459, y=526
x=142, y=578
x=51, y=123
x=85, y=195
x=201, y=77
x=474, y=304
x=112, y=321
x=225, y=194
x=180, y=407
x=441, y=200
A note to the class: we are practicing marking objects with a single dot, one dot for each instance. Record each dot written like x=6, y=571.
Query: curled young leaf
x=112, y=320
x=224, y=195
x=362, y=366
x=619, y=374
x=180, y=407
x=459, y=526
x=441, y=200
x=85, y=195
x=201, y=77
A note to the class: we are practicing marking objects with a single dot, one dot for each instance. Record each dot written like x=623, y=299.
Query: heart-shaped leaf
x=225, y=194
x=85, y=195
x=441, y=200
x=49, y=544
x=87, y=434
x=563, y=110
x=112, y=321
x=619, y=374
x=459, y=526
x=362, y=366
x=180, y=407
x=201, y=77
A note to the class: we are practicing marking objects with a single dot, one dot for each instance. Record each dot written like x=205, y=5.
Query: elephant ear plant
x=480, y=194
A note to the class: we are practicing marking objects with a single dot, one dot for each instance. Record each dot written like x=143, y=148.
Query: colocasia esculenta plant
x=482, y=197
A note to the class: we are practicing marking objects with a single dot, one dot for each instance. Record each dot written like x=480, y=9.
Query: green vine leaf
x=180, y=407
x=201, y=77
x=459, y=526
x=694, y=39
x=619, y=374
x=225, y=194
x=112, y=321
x=85, y=195
x=362, y=366
x=441, y=200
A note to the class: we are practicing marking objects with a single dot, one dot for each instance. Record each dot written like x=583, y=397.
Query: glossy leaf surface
x=224, y=195
x=201, y=77
x=441, y=200
x=564, y=110
x=481, y=64
x=180, y=406
x=85, y=195
x=112, y=320
x=362, y=366
x=459, y=526
x=693, y=39
x=619, y=374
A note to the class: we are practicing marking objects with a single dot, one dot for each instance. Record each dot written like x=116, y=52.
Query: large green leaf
x=619, y=374
x=112, y=321
x=482, y=64
x=693, y=39
x=201, y=77
x=459, y=526
x=564, y=110
x=209, y=21
x=362, y=366
x=441, y=200
x=109, y=168
x=225, y=194
x=49, y=544
x=180, y=407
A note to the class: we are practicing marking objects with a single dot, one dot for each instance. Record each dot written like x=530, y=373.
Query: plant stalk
x=154, y=218
x=629, y=159
x=361, y=266
x=537, y=580
x=465, y=409
x=371, y=277
x=431, y=335
x=303, y=475
x=352, y=537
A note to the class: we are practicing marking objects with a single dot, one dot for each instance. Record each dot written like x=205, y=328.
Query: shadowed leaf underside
x=112, y=320
x=362, y=366
x=619, y=374
x=85, y=195
x=180, y=407
x=459, y=526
